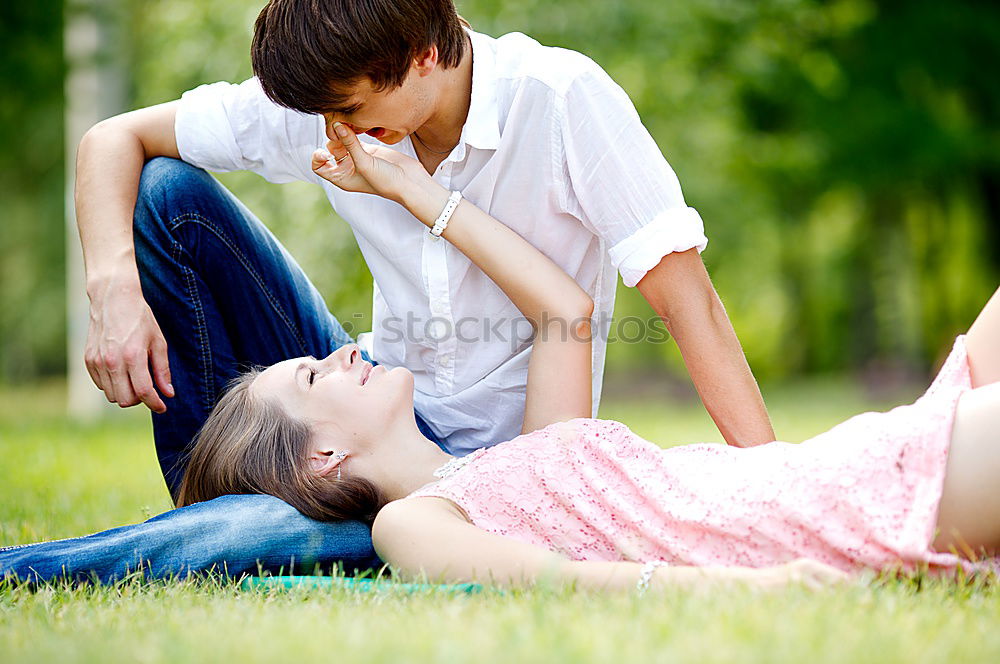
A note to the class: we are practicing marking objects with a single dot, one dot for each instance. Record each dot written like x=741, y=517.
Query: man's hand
x=124, y=339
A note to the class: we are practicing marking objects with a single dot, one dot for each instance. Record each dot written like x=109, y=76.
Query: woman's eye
x=312, y=376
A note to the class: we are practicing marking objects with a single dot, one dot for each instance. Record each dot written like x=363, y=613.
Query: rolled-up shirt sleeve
x=619, y=183
x=225, y=127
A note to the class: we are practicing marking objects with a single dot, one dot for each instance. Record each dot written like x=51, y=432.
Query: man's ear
x=426, y=61
x=326, y=461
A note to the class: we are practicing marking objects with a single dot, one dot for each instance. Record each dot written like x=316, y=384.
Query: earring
x=341, y=455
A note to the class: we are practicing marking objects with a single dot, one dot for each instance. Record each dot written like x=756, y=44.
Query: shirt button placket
x=439, y=294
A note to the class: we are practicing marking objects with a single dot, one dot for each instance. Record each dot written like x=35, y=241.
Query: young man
x=201, y=290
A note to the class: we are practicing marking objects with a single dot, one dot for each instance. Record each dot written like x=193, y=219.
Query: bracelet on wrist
x=441, y=223
x=646, y=575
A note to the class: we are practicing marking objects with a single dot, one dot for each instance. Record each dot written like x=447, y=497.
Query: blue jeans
x=227, y=297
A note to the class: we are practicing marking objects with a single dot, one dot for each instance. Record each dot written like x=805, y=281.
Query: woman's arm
x=429, y=538
x=559, y=372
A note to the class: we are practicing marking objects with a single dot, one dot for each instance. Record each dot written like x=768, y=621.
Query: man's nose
x=330, y=133
x=329, y=119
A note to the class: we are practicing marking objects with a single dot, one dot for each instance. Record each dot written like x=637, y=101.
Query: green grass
x=59, y=479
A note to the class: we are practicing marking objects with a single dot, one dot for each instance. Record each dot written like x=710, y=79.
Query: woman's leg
x=969, y=514
x=983, y=344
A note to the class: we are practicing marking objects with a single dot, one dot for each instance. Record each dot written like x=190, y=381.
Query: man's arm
x=621, y=184
x=681, y=293
x=123, y=339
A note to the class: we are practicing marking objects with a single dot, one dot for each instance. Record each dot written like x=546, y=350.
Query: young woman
x=576, y=500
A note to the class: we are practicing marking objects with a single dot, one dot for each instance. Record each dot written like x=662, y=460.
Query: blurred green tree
x=874, y=129
x=32, y=304
x=843, y=155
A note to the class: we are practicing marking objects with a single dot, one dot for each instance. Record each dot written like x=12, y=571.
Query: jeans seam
x=20, y=546
x=205, y=344
x=194, y=217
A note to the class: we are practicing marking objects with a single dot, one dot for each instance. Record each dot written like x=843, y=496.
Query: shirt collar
x=482, y=126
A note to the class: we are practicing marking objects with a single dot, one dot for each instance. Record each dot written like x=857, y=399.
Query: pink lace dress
x=863, y=494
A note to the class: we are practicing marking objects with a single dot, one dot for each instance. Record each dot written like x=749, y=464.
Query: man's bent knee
x=163, y=173
x=166, y=186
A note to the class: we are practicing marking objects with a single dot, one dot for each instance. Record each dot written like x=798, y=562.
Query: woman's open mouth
x=366, y=371
x=376, y=132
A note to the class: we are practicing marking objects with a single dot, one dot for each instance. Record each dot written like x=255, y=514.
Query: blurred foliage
x=843, y=154
x=32, y=304
x=180, y=44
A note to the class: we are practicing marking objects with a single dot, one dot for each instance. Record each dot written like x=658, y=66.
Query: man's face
x=389, y=115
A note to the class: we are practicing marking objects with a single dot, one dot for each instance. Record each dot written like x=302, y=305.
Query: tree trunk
x=95, y=87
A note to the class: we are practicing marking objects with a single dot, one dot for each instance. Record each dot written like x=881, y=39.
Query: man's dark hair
x=308, y=54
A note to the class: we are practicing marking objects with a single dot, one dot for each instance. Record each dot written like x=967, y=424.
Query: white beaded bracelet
x=441, y=222
x=646, y=575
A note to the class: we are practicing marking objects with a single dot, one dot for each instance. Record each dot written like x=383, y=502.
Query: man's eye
x=312, y=376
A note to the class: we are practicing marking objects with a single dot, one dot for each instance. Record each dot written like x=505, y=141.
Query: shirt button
x=437, y=329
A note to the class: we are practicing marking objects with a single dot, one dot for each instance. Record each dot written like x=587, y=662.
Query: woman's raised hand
x=370, y=169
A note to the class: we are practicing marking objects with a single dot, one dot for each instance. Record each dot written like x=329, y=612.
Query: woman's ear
x=324, y=462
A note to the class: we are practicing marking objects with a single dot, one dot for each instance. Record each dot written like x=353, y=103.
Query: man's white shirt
x=552, y=147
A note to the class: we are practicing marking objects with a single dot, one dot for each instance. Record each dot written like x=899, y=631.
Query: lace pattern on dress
x=458, y=463
x=863, y=494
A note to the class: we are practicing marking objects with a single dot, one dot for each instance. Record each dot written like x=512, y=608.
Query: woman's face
x=341, y=394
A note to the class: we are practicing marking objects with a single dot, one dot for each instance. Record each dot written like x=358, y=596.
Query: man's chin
x=390, y=137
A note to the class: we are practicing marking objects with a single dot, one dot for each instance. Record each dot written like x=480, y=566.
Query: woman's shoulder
x=402, y=522
x=410, y=509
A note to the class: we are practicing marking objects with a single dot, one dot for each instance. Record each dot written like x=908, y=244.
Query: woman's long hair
x=250, y=445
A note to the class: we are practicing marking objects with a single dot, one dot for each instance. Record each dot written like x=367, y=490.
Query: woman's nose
x=344, y=357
